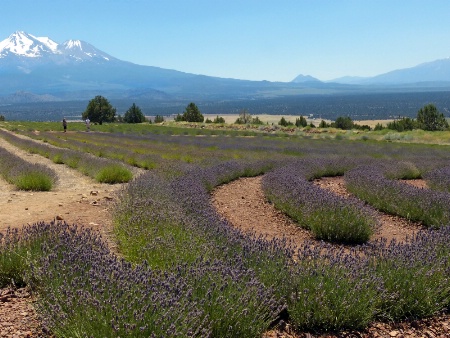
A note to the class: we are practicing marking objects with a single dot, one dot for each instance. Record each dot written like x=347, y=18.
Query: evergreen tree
x=99, y=110
x=301, y=122
x=134, y=115
x=190, y=114
x=429, y=118
x=344, y=122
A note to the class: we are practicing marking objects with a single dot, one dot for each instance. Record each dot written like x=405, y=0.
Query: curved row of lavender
x=329, y=216
x=25, y=175
x=379, y=186
x=187, y=272
x=101, y=169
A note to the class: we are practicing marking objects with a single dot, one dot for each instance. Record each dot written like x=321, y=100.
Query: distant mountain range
x=38, y=69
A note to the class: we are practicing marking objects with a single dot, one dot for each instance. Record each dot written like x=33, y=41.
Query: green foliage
x=323, y=124
x=34, y=181
x=343, y=122
x=113, y=174
x=159, y=119
x=208, y=121
x=2, y=118
x=429, y=118
x=99, y=110
x=301, y=122
x=378, y=127
x=190, y=114
x=219, y=119
x=284, y=123
x=405, y=123
x=134, y=115
x=244, y=117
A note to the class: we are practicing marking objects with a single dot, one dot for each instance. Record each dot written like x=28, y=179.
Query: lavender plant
x=25, y=175
x=439, y=179
x=328, y=216
x=370, y=184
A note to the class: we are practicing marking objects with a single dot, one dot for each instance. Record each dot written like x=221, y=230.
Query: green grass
x=35, y=181
x=113, y=174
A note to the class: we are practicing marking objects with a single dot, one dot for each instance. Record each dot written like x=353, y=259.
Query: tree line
x=100, y=110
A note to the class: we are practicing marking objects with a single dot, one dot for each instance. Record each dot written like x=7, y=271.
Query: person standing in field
x=64, y=122
x=88, y=124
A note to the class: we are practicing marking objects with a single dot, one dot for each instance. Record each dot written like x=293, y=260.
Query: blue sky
x=273, y=40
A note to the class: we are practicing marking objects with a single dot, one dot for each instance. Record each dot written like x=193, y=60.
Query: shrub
x=328, y=216
x=113, y=174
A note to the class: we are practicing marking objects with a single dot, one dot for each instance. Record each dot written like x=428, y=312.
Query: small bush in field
x=25, y=175
x=35, y=181
x=114, y=174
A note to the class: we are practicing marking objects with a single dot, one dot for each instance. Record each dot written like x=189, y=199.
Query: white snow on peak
x=49, y=43
x=21, y=43
x=26, y=45
x=69, y=44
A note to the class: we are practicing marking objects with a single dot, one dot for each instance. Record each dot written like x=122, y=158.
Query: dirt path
x=75, y=199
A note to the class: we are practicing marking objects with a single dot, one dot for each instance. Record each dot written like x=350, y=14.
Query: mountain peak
x=305, y=78
x=81, y=50
x=69, y=44
x=24, y=44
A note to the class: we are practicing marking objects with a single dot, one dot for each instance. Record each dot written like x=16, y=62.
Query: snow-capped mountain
x=27, y=45
x=38, y=68
x=21, y=45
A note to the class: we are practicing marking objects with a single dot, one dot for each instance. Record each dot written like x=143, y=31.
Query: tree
x=219, y=119
x=405, y=123
x=344, y=123
x=134, y=115
x=244, y=117
x=99, y=110
x=190, y=114
x=283, y=122
x=324, y=124
x=2, y=118
x=301, y=122
x=159, y=118
x=429, y=118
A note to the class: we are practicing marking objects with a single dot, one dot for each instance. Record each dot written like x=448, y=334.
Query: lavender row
x=371, y=184
x=327, y=215
x=237, y=285
x=25, y=175
x=102, y=170
x=151, y=150
x=337, y=289
x=439, y=179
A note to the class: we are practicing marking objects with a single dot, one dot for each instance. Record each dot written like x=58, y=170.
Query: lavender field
x=185, y=271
